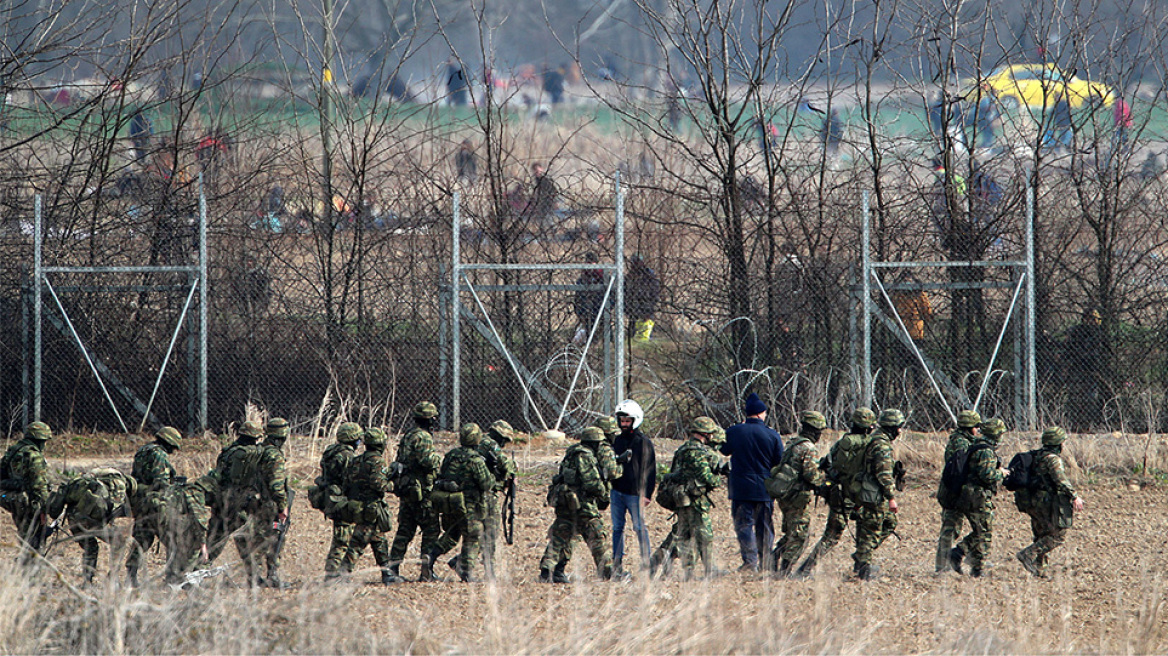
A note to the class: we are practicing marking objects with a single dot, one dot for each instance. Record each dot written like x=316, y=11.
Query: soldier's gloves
x=396, y=469
x=625, y=457
x=723, y=469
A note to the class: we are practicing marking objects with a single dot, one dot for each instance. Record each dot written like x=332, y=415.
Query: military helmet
x=470, y=435
x=374, y=437
x=863, y=417
x=169, y=435
x=993, y=428
x=608, y=425
x=38, y=430
x=250, y=429
x=501, y=431
x=592, y=434
x=813, y=419
x=703, y=426
x=891, y=418
x=277, y=427
x=1053, y=436
x=425, y=410
x=968, y=419
x=718, y=437
x=348, y=432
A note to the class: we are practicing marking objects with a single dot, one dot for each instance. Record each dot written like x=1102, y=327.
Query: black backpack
x=1022, y=475
x=956, y=471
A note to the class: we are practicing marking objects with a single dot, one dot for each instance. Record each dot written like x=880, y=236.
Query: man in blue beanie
x=754, y=449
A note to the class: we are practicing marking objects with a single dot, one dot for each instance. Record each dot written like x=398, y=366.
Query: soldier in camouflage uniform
x=874, y=494
x=796, y=478
x=977, y=497
x=691, y=466
x=611, y=429
x=242, y=489
x=575, y=492
x=1051, y=506
x=333, y=463
x=502, y=467
x=663, y=557
x=154, y=473
x=951, y=518
x=90, y=503
x=185, y=524
x=366, y=483
x=272, y=516
x=24, y=485
x=840, y=505
x=460, y=496
x=418, y=464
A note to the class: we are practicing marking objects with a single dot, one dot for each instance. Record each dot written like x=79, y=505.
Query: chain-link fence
x=335, y=305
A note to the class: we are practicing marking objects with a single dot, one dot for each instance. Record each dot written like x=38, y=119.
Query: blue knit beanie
x=754, y=406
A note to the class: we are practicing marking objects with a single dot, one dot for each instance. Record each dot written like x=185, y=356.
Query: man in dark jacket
x=754, y=449
x=633, y=490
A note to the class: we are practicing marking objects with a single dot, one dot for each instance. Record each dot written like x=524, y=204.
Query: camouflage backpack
x=783, y=482
x=846, y=458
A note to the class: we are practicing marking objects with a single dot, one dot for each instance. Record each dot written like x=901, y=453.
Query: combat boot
x=389, y=575
x=545, y=575
x=655, y=562
x=785, y=568
x=807, y=567
x=956, y=555
x=606, y=573
x=559, y=576
x=1026, y=557
x=866, y=571
x=454, y=564
x=427, y=574
x=975, y=571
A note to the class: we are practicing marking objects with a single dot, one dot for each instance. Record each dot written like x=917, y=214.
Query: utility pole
x=326, y=110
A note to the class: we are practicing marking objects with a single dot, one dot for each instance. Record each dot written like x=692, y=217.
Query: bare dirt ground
x=1106, y=594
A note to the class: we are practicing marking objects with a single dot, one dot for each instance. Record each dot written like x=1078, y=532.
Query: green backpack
x=847, y=458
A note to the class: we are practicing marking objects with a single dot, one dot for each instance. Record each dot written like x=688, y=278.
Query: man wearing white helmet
x=633, y=490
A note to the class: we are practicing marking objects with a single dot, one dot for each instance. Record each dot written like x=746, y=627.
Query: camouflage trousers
x=951, y=524
x=143, y=534
x=695, y=538
x=1047, y=537
x=468, y=527
x=796, y=526
x=976, y=544
x=492, y=521
x=362, y=535
x=267, y=537
x=837, y=522
x=412, y=516
x=248, y=532
x=88, y=537
x=585, y=522
x=342, y=535
x=184, y=540
x=874, y=523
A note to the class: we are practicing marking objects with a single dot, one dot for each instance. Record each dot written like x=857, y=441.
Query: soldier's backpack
x=956, y=471
x=1022, y=474
x=847, y=458
x=671, y=493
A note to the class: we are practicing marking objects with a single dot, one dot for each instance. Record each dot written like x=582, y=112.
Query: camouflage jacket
x=501, y=466
x=1052, y=474
x=581, y=473
x=691, y=467
x=334, y=461
x=467, y=467
x=89, y=501
x=416, y=453
x=273, y=476
x=878, y=464
x=188, y=506
x=25, y=462
x=367, y=477
x=984, y=468
x=152, y=468
x=803, y=457
x=610, y=469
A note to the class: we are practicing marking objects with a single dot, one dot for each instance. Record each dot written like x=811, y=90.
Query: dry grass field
x=1106, y=594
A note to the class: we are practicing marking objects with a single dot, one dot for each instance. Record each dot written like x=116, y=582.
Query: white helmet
x=632, y=409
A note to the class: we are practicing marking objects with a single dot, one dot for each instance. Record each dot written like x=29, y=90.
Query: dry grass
x=1106, y=594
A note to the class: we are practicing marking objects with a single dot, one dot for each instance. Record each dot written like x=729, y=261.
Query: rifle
x=509, y=511
x=282, y=527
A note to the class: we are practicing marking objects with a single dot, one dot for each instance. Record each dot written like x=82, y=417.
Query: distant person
x=553, y=85
x=545, y=196
x=642, y=293
x=398, y=89
x=587, y=302
x=985, y=119
x=456, y=85
x=754, y=449
x=768, y=135
x=141, y=131
x=1122, y=115
x=466, y=162
x=1059, y=132
x=831, y=133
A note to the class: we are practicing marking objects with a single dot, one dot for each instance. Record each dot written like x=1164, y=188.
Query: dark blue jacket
x=754, y=448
